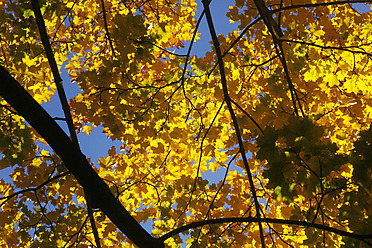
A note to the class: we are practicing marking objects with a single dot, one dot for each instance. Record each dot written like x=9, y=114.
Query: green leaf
x=27, y=13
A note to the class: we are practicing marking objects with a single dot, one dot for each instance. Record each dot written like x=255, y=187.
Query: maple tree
x=278, y=112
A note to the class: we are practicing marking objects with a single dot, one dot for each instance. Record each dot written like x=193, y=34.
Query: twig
x=106, y=28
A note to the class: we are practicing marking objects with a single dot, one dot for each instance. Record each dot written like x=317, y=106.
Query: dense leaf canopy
x=263, y=141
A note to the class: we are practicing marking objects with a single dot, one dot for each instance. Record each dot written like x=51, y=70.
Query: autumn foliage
x=263, y=142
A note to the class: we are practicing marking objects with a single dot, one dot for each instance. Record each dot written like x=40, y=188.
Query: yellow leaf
x=331, y=79
x=87, y=129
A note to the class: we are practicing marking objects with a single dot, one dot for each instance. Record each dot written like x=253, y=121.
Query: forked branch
x=74, y=160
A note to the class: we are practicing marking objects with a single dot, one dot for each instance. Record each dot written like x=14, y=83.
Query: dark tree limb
x=106, y=28
x=92, y=222
x=61, y=93
x=361, y=237
x=53, y=65
x=74, y=160
x=266, y=15
x=276, y=33
x=34, y=189
x=227, y=99
x=316, y=5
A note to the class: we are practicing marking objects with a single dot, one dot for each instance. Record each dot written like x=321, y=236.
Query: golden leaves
x=177, y=135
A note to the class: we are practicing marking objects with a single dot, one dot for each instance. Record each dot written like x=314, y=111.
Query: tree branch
x=266, y=15
x=74, y=160
x=305, y=224
x=248, y=115
x=53, y=65
x=33, y=188
x=276, y=33
x=216, y=45
x=92, y=221
x=61, y=92
x=106, y=27
x=316, y=5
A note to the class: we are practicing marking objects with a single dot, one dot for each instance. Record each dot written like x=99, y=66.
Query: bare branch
x=227, y=99
x=305, y=224
x=106, y=28
x=53, y=65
